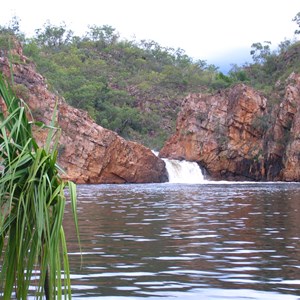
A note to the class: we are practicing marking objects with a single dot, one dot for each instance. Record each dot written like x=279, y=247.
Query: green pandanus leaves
x=32, y=203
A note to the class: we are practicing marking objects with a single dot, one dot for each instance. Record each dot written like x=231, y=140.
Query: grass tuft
x=32, y=203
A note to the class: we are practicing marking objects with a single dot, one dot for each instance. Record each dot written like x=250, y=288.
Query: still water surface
x=187, y=242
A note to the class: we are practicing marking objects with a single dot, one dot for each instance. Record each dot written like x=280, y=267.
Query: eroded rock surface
x=88, y=152
x=235, y=135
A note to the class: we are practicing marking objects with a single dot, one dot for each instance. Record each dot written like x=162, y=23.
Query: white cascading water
x=183, y=171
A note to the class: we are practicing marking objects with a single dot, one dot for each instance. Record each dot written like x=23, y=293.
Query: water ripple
x=211, y=241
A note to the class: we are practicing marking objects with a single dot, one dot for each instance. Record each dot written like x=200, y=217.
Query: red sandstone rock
x=234, y=135
x=88, y=152
x=289, y=119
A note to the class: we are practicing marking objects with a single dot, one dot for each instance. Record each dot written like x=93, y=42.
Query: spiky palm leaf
x=32, y=203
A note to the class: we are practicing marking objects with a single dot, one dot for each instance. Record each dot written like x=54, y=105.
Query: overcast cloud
x=213, y=30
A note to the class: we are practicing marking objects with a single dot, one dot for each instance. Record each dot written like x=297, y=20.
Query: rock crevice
x=236, y=134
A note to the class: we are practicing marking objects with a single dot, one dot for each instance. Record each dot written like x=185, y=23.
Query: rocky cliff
x=88, y=152
x=238, y=134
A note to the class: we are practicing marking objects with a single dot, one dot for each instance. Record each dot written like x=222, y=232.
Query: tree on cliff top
x=128, y=85
x=125, y=86
x=297, y=20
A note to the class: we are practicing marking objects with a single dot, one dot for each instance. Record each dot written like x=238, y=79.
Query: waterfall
x=183, y=171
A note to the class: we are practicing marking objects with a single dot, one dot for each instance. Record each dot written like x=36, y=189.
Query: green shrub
x=32, y=203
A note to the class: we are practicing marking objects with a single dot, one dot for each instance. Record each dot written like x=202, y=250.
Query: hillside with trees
x=135, y=88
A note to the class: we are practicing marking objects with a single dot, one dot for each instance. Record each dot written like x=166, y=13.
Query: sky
x=218, y=31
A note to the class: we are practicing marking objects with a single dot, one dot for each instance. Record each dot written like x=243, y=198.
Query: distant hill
x=135, y=88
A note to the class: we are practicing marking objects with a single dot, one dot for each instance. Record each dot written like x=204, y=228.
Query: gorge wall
x=235, y=134
x=238, y=134
x=88, y=152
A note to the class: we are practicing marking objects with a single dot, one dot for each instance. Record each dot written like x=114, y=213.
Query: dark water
x=209, y=241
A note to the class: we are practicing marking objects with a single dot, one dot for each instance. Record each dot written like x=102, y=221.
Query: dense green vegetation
x=135, y=87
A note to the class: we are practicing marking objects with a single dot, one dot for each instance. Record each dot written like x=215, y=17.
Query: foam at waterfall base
x=183, y=171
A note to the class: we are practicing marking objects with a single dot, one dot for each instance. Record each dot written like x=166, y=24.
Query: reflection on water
x=226, y=241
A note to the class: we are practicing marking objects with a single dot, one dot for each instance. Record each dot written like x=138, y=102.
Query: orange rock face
x=234, y=135
x=88, y=152
x=288, y=123
x=92, y=154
